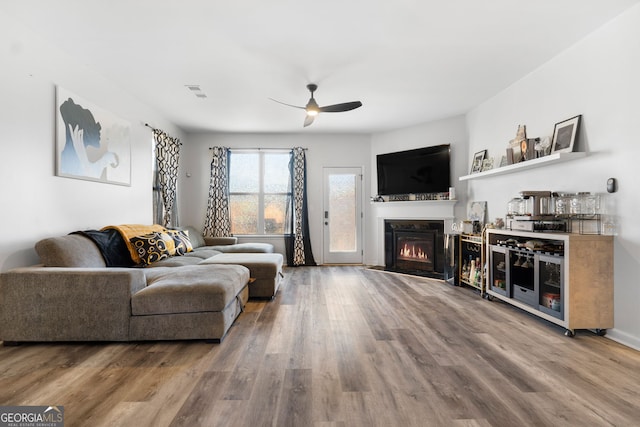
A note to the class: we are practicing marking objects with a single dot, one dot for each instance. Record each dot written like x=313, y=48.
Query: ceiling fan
x=313, y=109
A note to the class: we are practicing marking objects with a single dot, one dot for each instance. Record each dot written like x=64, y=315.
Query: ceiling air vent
x=197, y=91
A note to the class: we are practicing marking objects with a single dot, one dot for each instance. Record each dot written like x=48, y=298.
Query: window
x=258, y=191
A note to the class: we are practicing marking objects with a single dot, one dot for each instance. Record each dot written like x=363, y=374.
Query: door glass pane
x=244, y=213
x=275, y=206
x=342, y=213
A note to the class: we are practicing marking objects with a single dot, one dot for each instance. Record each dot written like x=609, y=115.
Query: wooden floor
x=343, y=346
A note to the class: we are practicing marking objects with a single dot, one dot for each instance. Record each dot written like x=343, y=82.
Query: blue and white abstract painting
x=91, y=144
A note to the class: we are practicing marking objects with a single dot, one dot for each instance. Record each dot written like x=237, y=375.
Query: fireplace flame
x=410, y=251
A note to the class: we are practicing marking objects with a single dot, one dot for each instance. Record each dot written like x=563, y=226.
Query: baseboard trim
x=623, y=338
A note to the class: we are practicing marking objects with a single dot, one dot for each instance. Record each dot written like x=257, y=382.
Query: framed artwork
x=565, y=135
x=478, y=158
x=503, y=161
x=91, y=143
x=476, y=211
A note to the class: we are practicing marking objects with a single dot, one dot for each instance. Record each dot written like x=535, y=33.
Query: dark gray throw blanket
x=112, y=246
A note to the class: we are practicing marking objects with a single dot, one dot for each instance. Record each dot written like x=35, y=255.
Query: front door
x=342, y=215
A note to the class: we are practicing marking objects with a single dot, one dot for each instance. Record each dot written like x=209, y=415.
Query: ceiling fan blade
x=312, y=109
x=338, y=108
x=308, y=120
x=288, y=105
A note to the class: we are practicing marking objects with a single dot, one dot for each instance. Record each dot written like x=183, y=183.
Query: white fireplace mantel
x=419, y=209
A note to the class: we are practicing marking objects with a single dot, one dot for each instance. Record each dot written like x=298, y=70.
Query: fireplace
x=415, y=250
x=415, y=247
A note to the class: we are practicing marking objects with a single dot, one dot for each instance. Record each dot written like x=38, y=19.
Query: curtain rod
x=154, y=129
x=261, y=149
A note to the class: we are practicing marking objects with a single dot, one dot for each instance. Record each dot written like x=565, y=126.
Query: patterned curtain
x=297, y=242
x=218, y=223
x=166, y=180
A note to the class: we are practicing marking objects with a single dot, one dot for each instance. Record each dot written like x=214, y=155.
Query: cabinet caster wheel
x=569, y=333
x=601, y=332
x=489, y=297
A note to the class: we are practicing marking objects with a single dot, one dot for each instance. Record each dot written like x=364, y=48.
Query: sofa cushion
x=245, y=248
x=176, y=261
x=73, y=250
x=260, y=265
x=195, y=237
x=189, y=289
x=203, y=252
x=265, y=270
x=215, y=241
x=111, y=245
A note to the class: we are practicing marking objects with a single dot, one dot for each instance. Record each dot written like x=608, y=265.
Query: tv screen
x=423, y=170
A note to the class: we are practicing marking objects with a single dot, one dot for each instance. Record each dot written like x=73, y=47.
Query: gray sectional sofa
x=74, y=296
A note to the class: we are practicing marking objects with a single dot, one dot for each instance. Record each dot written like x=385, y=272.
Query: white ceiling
x=408, y=61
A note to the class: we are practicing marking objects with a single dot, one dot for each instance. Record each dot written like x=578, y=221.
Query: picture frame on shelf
x=487, y=164
x=476, y=211
x=527, y=150
x=532, y=143
x=503, y=161
x=514, y=153
x=478, y=158
x=565, y=135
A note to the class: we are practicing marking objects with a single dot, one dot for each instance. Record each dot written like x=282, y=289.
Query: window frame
x=262, y=153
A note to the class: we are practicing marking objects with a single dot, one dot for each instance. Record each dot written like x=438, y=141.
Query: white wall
x=36, y=203
x=323, y=151
x=597, y=78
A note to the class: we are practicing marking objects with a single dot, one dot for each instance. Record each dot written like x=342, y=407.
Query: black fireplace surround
x=414, y=247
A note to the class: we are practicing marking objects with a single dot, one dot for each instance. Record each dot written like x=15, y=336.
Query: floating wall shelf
x=529, y=164
x=415, y=203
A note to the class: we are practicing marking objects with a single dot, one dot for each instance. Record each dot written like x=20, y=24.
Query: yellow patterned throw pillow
x=151, y=247
x=181, y=241
x=168, y=241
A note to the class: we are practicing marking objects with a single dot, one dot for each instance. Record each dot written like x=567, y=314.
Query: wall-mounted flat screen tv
x=423, y=170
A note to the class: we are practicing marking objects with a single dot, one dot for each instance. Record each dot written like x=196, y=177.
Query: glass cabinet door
x=498, y=270
x=551, y=284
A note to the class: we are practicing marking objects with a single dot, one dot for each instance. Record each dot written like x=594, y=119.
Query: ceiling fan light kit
x=312, y=109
